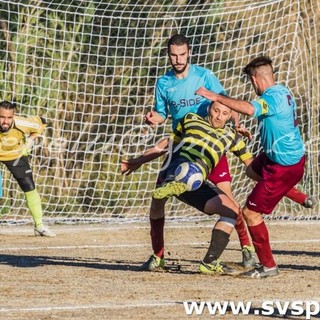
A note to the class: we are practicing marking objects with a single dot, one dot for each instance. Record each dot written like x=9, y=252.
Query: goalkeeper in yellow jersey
x=17, y=135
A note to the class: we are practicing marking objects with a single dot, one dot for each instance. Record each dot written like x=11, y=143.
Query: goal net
x=89, y=68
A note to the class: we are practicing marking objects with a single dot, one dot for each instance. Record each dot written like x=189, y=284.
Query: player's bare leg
x=247, y=248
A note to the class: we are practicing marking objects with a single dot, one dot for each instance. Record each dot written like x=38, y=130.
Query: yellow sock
x=35, y=207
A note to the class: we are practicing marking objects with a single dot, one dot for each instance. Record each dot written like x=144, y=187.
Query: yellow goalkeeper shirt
x=196, y=140
x=13, y=141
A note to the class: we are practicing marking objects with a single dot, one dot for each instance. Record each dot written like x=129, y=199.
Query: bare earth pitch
x=91, y=272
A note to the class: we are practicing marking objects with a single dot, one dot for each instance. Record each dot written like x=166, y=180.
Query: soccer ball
x=190, y=174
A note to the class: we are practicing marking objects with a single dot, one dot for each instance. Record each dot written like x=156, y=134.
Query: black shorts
x=199, y=197
x=20, y=168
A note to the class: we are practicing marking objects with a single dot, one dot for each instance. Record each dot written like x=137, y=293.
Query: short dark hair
x=256, y=63
x=178, y=40
x=7, y=105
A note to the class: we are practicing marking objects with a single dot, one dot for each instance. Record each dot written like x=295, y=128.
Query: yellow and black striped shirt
x=196, y=140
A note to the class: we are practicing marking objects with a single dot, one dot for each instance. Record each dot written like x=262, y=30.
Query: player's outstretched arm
x=130, y=165
x=240, y=106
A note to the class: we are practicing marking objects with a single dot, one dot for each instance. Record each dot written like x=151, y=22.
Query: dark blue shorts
x=199, y=197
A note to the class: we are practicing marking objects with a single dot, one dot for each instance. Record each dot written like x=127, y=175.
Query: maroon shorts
x=276, y=181
x=220, y=173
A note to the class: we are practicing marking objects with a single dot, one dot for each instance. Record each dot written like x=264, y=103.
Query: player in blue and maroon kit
x=175, y=95
x=280, y=166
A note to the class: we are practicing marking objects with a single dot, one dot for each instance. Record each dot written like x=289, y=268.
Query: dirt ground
x=91, y=272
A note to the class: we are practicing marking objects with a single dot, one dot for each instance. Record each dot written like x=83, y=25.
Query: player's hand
x=129, y=166
x=243, y=131
x=202, y=91
x=27, y=147
x=153, y=118
x=25, y=152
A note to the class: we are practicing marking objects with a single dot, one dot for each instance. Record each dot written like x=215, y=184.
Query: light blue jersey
x=280, y=136
x=177, y=96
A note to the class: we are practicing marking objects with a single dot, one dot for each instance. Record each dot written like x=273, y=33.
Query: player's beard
x=6, y=129
x=178, y=71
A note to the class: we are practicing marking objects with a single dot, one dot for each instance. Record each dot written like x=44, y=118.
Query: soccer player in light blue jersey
x=175, y=91
x=280, y=166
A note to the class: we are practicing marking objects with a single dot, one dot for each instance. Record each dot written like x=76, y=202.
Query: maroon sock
x=260, y=238
x=242, y=231
x=296, y=196
x=157, y=238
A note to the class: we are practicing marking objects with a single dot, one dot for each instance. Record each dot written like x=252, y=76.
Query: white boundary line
x=149, y=304
x=14, y=229
x=135, y=245
x=94, y=306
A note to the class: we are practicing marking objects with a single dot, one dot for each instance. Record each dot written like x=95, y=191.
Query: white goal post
x=89, y=68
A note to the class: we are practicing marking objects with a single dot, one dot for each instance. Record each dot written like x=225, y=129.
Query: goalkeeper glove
x=27, y=147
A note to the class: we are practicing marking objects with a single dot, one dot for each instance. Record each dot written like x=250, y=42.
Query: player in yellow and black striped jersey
x=16, y=138
x=194, y=137
x=204, y=141
x=201, y=141
x=197, y=140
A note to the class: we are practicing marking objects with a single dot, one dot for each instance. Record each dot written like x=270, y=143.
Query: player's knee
x=252, y=217
x=230, y=204
x=228, y=221
x=26, y=184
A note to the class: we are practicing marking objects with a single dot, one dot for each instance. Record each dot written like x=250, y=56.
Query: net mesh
x=89, y=68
